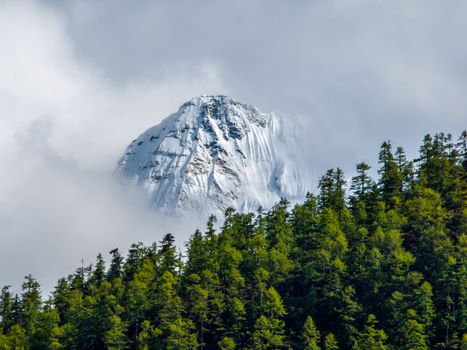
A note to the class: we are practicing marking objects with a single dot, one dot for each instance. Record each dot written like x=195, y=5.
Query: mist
x=63, y=128
x=80, y=80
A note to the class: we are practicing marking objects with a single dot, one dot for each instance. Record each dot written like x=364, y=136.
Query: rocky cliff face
x=215, y=152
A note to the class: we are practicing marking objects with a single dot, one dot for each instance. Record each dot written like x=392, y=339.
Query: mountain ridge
x=214, y=153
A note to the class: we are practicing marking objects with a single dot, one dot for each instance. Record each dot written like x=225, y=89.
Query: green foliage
x=332, y=192
x=330, y=342
x=226, y=344
x=382, y=268
x=413, y=333
x=391, y=180
x=180, y=336
x=371, y=338
x=268, y=334
x=311, y=336
x=115, y=338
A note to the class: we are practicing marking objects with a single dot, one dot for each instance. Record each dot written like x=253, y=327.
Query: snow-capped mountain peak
x=213, y=153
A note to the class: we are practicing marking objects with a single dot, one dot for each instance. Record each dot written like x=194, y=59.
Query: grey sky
x=361, y=71
x=80, y=79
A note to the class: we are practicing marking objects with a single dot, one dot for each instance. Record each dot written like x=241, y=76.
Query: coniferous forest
x=365, y=263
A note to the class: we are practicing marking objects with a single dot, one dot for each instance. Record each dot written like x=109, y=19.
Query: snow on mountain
x=216, y=152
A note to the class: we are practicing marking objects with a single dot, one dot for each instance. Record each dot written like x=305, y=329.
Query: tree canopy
x=383, y=266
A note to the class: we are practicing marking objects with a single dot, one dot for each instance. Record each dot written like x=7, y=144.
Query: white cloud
x=80, y=79
x=359, y=72
x=62, y=129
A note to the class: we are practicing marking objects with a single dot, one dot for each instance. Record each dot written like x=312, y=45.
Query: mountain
x=213, y=153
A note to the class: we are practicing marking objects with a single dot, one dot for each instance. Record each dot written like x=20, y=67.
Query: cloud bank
x=358, y=72
x=63, y=127
x=80, y=79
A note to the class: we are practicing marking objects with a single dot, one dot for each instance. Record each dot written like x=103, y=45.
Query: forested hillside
x=363, y=264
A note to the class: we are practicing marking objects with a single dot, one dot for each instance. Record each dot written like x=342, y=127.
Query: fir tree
x=330, y=342
x=371, y=338
x=115, y=337
x=391, y=179
x=226, y=344
x=311, y=336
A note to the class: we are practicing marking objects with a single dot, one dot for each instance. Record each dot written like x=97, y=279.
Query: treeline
x=382, y=267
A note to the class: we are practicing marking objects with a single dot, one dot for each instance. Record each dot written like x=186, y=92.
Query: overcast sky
x=80, y=79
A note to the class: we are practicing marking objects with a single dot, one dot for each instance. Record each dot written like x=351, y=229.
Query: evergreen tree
x=136, y=254
x=198, y=305
x=332, y=193
x=371, y=338
x=269, y=328
x=391, y=179
x=115, y=337
x=98, y=274
x=138, y=296
x=280, y=239
x=226, y=344
x=147, y=337
x=180, y=336
x=168, y=253
x=330, y=342
x=361, y=183
x=115, y=269
x=30, y=305
x=462, y=149
x=413, y=333
x=17, y=338
x=311, y=336
x=405, y=169
x=6, y=309
x=47, y=323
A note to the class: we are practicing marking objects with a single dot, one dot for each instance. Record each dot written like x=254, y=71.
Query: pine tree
x=17, y=338
x=106, y=304
x=48, y=321
x=311, y=336
x=210, y=232
x=226, y=344
x=147, y=337
x=391, y=179
x=332, y=193
x=98, y=274
x=462, y=149
x=413, y=333
x=268, y=334
x=4, y=341
x=115, y=269
x=168, y=253
x=330, y=342
x=181, y=336
x=197, y=298
x=136, y=254
x=269, y=328
x=280, y=239
x=198, y=252
x=115, y=338
x=371, y=338
x=6, y=309
x=423, y=305
x=168, y=301
x=405, y=168
x=138, y=295
x=361, y=183
x=58, y=337
x=174, y=331
x=30, y=305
